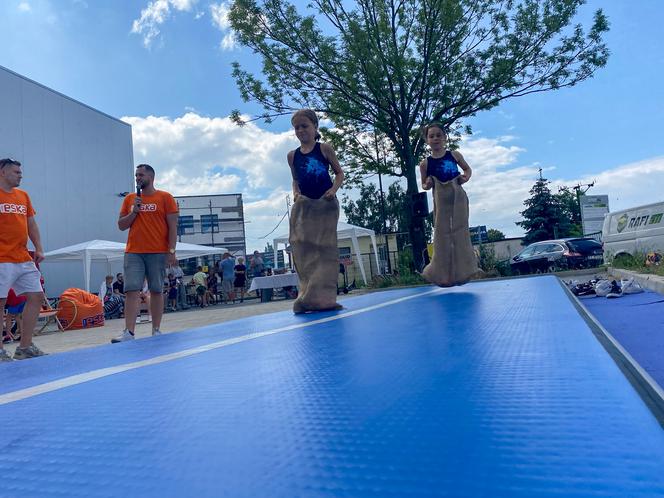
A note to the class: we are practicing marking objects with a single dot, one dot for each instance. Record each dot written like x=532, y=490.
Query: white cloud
x=219, y=14
x=500, y=184
x=154, y=15
x=24, y=7
x=194, y=154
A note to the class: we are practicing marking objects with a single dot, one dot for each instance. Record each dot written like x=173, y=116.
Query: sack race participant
x=314, y=216
x=453, y=261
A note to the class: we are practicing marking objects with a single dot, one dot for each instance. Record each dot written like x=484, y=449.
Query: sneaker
x=631, y=287
x=125, y=336
x=615, y=291
x=585, y=289
x=5, y=356
x=156, y=332
x=31, y=351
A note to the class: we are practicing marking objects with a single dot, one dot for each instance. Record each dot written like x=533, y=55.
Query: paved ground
x=56, y=342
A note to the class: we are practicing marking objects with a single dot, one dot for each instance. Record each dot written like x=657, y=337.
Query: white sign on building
x=593, y=209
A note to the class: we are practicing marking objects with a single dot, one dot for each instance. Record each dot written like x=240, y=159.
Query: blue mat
x=492, y=389
x=637, y=322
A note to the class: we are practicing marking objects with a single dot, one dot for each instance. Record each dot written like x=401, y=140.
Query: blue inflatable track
x=492, y=389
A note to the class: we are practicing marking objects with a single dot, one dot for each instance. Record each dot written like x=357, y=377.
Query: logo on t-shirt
x=148, y=207
x=13, y=209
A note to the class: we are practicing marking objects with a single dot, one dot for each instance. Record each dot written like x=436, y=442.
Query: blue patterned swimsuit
x=312, y=172
x=444, y=168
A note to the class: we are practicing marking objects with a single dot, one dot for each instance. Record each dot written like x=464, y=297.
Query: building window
x=185, y=225
x=209, y=223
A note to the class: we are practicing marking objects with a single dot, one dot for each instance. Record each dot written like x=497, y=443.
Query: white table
x=274, y=282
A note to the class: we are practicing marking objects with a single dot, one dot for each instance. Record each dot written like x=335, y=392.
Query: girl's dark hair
x=433, y=124
x=310, y=115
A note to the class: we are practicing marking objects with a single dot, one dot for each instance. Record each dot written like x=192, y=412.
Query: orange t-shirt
x=149, y=231
x=15, y=209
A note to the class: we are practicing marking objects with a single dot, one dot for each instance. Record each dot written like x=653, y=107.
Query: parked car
x=560, y=254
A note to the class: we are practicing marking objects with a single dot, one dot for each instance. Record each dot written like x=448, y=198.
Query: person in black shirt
x=118, y=285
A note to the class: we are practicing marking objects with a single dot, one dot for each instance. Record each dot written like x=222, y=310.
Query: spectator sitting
x=212, y=283
x=172, y=291
x=113, y=303
x=200, y=280
x=14, y=307
x=118, y=285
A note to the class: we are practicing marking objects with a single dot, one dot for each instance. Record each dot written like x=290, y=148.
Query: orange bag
x=80, y=310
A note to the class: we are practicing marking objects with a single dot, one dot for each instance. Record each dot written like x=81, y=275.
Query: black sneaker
x=615, y=291
x=584, y=289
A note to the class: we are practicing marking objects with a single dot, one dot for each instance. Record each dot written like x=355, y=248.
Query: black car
x=560, y=254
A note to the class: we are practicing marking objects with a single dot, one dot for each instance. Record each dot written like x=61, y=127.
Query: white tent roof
x=106, y=250
x=344, y=231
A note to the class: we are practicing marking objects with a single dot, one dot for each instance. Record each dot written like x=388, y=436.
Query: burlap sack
x=453, y=261
x=313, y=241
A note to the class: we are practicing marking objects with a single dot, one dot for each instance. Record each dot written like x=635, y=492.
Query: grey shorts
x=227, y=285
x=139, y=266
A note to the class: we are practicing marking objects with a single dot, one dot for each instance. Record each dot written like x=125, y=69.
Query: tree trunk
x=416, y=223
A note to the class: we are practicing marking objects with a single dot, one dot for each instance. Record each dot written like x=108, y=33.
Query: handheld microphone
x=138, y=189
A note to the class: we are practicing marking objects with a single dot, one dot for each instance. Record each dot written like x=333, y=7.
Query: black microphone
x=138, y=189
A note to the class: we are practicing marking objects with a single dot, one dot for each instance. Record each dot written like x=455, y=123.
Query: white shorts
x=22, y=277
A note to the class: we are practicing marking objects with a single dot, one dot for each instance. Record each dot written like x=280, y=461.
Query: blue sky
x=169, y=77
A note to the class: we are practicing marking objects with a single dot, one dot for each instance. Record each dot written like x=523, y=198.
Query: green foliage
x=636, y=262
x=378, y=69
x=366, y=211
x=495, y=235
x=569, y=205
x=487, y=259
x=547, y=215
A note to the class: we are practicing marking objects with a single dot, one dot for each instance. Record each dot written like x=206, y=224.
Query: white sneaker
x=125, y=336
x=631, y=287
x=156, y=332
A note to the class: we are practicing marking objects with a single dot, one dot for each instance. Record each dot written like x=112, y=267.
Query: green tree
x=495, y=235
x=379, y=68
x=544, y=217
x=571, y=211
x=366, y=211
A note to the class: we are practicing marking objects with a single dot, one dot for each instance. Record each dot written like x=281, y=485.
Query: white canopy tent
x=344, y=231
x=108, y=251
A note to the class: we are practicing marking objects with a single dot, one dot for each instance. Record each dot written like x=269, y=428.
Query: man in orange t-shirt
x=17, y=267
x=152, y=220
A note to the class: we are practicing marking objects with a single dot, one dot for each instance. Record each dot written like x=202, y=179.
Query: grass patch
x=637, y=263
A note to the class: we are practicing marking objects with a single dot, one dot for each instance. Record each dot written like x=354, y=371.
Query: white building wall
x=229, y=211
x=76, y=161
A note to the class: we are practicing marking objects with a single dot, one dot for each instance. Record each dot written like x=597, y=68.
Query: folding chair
x=49, y=315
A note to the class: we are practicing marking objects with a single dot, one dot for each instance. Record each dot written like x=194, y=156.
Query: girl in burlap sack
x=453, y=261
x=314, y=216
